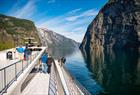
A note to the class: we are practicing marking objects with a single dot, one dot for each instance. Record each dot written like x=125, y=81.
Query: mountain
x=14, y=30
x=117, y=26
x=58, y=45
x=52, y=39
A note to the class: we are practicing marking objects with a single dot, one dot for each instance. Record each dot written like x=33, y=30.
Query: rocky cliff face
x=14, y=30
x=116, y=26
x=52, y=39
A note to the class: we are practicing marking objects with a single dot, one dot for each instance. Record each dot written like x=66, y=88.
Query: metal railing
x=55, y=85
x=73, y=90
x=10, y=73
x=68, y=76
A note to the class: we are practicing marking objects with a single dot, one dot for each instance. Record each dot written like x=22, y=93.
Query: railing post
x=15, y=72
x=30, y=61
x=22, y=65
x=5, y=79
x=27, y=62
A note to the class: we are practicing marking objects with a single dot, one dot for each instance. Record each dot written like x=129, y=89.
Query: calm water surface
x=106, y=72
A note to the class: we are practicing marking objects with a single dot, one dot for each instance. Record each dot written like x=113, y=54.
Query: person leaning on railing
x=62, y=61
x=49, y=63
x=39, y=65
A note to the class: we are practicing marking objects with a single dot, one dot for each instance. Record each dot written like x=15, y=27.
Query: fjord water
x=106, y=72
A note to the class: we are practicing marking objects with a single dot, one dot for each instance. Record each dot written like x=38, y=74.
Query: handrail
x=76, y=82
x=7, y=79
x=72, y=87
x=10, y=65
x=63, y=77
x=63, y=81
x=55, y=82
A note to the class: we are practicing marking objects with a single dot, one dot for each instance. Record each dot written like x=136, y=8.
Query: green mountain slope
x=14, y=30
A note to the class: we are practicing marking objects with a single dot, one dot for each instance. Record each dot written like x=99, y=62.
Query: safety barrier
x=62, y=83
x=10, y=73
x=77, y=83
x=55, y=85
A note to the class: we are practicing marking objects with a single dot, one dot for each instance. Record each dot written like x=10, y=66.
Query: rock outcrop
x=116, y=26
x=14, y=30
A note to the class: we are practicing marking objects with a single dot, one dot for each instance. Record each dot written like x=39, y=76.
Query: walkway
x=24, y=79
x=38, y=85
x=11, y=83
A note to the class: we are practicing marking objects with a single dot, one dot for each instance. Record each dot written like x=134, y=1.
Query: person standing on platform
x=44, y=59
x=20, y=51
x=26, y=53
x=39, y=65
x=62, y=61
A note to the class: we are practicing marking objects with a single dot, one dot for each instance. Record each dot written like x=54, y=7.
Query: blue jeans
x=44, y=67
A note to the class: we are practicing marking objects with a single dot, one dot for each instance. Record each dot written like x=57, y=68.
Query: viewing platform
x=38, y=85
x=23, y=77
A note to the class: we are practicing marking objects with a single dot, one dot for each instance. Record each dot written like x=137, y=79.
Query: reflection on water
x=106, y=71
x=118, y=72
x=58, y=52
x=77, y=67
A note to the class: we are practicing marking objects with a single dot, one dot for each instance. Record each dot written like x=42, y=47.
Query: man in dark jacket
x=49, y=63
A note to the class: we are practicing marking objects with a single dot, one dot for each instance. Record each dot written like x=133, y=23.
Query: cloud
x=72, y=24
x=51, y=1
x=72, y=29
x=25, y=11
x=63, y=19
x=75, y=36
x=91, y=12
x=72, y=18
x=74, y=11
x=58, y=19
x=52, y=22
x=78, y=29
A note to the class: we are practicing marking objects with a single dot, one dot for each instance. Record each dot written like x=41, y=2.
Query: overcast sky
x=67, y=17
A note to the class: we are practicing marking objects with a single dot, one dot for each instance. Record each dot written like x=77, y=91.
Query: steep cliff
x=116, y=26
x=58, y=45
x=14, y=30
x=52, y=39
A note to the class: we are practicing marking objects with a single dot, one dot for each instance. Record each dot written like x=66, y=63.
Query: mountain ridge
x=54, y=39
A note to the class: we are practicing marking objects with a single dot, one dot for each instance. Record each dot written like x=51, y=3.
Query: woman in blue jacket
x=44, y=59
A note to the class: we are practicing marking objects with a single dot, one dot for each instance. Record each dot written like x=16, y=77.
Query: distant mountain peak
x=51, y=38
